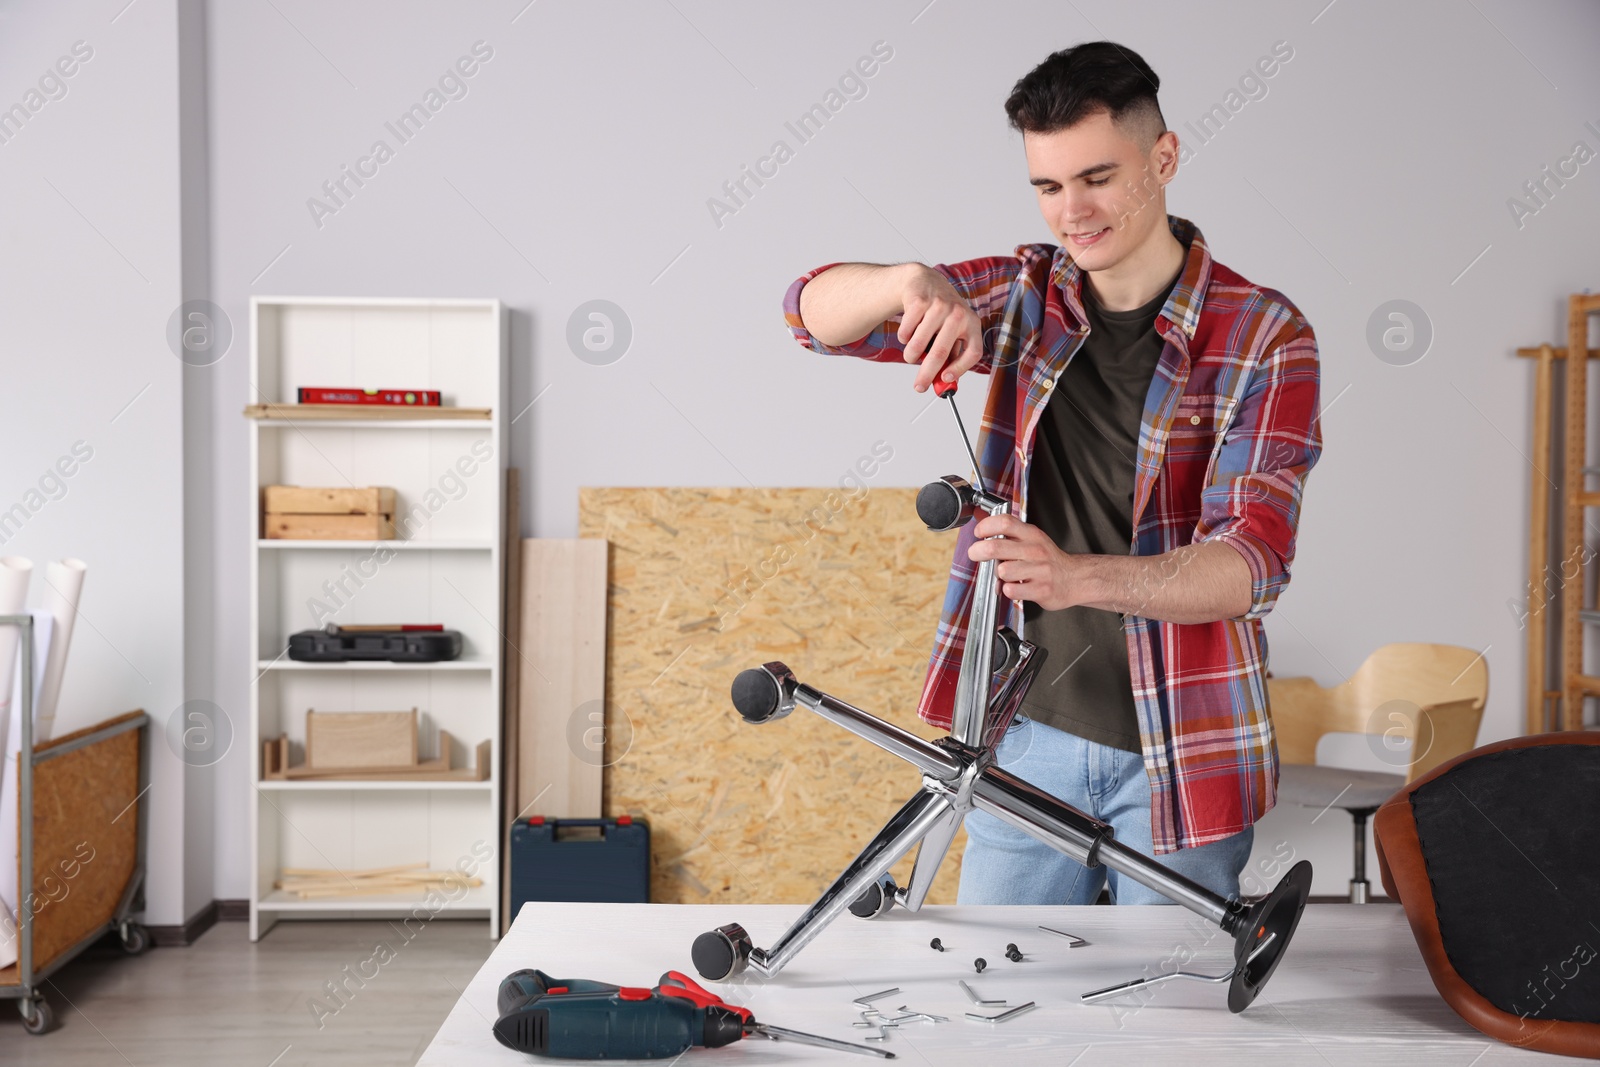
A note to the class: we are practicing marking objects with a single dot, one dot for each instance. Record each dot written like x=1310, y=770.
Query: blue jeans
x=1003, y=865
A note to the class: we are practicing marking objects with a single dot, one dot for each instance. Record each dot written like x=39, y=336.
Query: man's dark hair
x=1075, y=83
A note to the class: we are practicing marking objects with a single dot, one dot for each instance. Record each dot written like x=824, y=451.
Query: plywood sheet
x=85, y=836
x=561, y=677
x=707, y=582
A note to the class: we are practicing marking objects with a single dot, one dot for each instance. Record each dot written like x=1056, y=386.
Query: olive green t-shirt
x=1080, y=493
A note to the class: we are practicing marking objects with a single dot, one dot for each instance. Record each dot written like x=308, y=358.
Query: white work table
x=1351, y=989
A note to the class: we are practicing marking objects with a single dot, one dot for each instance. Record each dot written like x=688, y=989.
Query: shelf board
x=475, y=899
x=403, y=546
x=365, y=413
x=374, y=665
x=374, y=424
x=333, y=783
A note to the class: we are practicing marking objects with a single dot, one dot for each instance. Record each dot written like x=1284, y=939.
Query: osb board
x=85, y=838
x=707, y=582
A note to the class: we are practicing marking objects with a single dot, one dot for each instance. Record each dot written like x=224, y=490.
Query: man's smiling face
x=1099, y=189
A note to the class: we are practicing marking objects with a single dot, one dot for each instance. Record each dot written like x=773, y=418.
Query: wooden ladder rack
x=1561, y=708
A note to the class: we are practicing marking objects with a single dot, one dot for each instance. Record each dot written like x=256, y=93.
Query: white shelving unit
x=446, y=568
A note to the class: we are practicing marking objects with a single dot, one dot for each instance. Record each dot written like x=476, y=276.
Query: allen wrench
x=1077, y=942
x=980, y=1002
x=1123, y=988
x=1003, y=1016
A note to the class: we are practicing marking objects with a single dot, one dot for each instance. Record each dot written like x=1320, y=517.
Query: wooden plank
x=351, y=739
x=358, y=412
x=439, y=769
x=327, y=527
x=274, y=752
x=846, y=590
x=275, y=765
x=1536, y=677
x=367, y=872
x=1574, y=457
x=1560, y=351
x=562, y=696
x=510, y=676
x=311, y=500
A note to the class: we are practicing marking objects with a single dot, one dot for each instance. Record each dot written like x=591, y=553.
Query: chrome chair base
x=956, y=779
x=959, y=775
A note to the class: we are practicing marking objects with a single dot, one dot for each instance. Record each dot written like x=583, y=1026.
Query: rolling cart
x=81, y=853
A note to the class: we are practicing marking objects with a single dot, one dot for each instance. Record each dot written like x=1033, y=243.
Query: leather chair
x=1495, y=856
x=1431, y=696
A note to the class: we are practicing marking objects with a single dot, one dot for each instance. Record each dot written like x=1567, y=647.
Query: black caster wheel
x=37, y=1015
x=721, y=953
x=134, y=937
x=1277, y=916
x=764, y=693
x=876, y=901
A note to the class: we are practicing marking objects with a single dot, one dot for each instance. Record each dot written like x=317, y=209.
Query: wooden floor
x=223, y=1000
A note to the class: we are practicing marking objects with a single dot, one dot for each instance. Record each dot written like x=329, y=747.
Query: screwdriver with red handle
x=947, y=390
x=577, y=1018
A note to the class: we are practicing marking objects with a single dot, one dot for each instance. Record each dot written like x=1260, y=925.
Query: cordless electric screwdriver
x=576, y=1018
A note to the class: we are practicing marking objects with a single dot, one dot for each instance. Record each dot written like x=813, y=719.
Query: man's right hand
x=939, y=329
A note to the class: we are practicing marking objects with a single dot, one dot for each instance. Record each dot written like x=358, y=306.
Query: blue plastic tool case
x=611, y=867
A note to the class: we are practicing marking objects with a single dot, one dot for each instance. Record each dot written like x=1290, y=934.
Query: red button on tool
x=634, y=993
x=624, y=820
x=536, y=820
x=556, y=989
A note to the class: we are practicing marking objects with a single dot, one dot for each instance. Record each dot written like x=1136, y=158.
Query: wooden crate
x=328, y=527
x=305, y=500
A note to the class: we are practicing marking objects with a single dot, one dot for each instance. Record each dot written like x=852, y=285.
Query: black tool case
x=397, y=646
x=601, y=860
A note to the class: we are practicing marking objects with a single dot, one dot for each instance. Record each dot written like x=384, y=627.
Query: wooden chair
x=1429, y=695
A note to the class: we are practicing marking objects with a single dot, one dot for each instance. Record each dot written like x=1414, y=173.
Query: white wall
x=90, y=274
x=579, y=164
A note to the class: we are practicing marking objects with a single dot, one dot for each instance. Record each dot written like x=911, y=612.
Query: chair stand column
x=1360, y=888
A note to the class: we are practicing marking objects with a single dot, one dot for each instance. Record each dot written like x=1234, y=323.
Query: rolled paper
x=14, y=574
x=63, y=585
x=11, y=745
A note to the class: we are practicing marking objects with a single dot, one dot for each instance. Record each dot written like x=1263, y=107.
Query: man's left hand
x=1031, y=566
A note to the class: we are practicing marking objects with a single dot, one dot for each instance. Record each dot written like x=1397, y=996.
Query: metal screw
x=1010, y=948
x=980, y=963
x=936, y=945
x=1014, y=956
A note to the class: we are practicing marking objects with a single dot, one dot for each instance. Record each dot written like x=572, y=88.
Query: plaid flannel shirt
x=1229, y=434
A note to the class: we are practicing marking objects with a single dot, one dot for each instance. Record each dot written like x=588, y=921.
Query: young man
x=1152, y=416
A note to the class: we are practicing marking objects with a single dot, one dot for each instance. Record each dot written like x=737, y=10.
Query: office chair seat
x=1316, y=786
